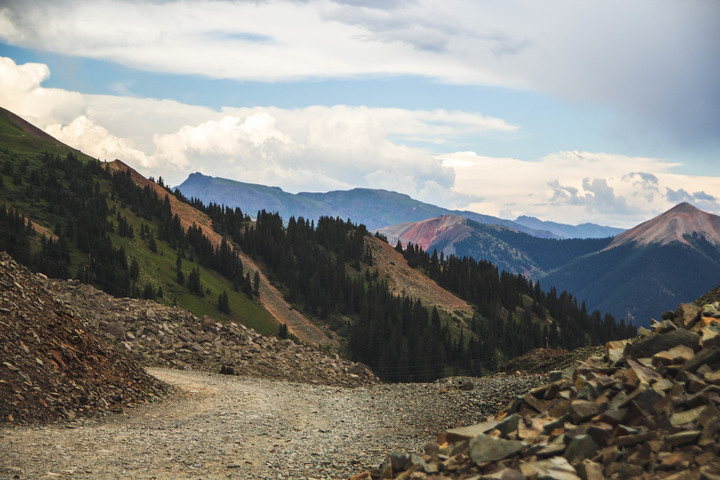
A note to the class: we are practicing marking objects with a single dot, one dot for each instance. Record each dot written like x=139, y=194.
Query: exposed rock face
x=54, y=366
x=647, y=408
x=156, y=335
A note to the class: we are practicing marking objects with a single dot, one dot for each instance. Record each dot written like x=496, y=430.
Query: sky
x=571, y=111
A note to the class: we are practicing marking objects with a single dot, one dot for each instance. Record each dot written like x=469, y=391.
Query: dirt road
x=219, y=427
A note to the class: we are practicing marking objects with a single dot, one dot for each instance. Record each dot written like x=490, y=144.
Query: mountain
x=635, y=275
x=584, y=230
x=67, y=215
x=650, y=268
x=684, y=224
x=510, y=250
x=370, y=207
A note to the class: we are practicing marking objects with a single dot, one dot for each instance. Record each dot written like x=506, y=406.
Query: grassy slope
x=22, y=144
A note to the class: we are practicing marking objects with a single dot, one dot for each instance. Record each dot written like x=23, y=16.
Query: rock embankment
x=160, y=336
x=647, y=408
x=544, y=360
x=53, y=366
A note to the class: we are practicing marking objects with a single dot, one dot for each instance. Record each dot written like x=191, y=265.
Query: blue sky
x=568, y=111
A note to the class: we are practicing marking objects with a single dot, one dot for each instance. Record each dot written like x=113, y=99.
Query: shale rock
x=159, y=336
x=644, y=408
x=54, y=365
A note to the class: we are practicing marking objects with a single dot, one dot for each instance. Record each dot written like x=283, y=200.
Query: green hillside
x=96, y=225
x=91, y=221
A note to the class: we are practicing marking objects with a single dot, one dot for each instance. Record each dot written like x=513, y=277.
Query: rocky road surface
x=219, y=426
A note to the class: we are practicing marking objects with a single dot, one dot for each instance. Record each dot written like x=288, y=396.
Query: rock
x=508, y=424
x=467, y=433
x=654, y=343
x=485, y=448
x=116, y=329
x=556, y=468
x=504, y=474
x=590, y=470
x=580, y=448
x=681, y=438
x=581, y=410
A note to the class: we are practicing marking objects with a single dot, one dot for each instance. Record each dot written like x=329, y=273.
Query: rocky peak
x=422, y=233
x=678, y=224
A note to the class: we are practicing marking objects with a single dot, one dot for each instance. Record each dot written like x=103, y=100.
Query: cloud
x=600, y=197
x=655, y=66
x=575, y=187
x=597, y=196
x=320, y=148
x=83, y=134
x=700, y=199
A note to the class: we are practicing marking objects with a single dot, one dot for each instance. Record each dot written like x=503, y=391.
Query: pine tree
x=223, y=302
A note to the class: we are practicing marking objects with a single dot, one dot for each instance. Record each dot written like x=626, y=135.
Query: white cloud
x=576, y=187
x=83, y=134
x=652, y=61
x=320, y=148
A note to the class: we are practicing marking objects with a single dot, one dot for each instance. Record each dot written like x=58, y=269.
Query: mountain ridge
x=671, y=258
x=675, y=225
x=375, y=208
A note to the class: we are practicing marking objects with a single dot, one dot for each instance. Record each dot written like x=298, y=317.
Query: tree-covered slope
x=94, y=223
x=510, y=250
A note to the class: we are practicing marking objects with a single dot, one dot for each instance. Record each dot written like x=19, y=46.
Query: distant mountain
x=584, y=230
x=636, y=275
x=683, y=224
x=650, y=268
x=371, y=207
x=510, y=250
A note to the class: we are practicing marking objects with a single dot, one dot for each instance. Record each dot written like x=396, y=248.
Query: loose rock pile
x=648, y=409
x=160, y=336
x=543, y=360
x=53, y=366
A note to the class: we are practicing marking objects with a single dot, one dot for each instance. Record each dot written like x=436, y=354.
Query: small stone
x=681, y=418
x=681, y=438
x=485, y=448
x=466, y=433
x=504, y=474
x=581, y=448
x=706, y=355
x=581, y=410
x=508, y=424
x=590, y=470
x=676, y=461
x=556, y=468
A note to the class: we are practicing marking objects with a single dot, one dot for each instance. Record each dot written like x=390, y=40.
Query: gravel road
x=218, y=427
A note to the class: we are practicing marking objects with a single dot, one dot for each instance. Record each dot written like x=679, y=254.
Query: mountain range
x=372, y=207
x=332, y=282
x=635, y=275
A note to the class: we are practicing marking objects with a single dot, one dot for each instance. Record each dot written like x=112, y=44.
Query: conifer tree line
x=77, y=193
x=514, y=314
x=325, y=268
x=398, y=337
